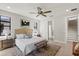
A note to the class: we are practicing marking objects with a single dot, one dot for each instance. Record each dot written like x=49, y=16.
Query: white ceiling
x=25, y=8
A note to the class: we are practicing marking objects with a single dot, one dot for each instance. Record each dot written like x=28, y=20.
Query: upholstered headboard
x=24, y=31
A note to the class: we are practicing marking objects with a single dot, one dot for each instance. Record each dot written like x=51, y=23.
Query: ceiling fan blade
x=39, y=10
x=37, y=15
x=47, y=11
x=43, y=15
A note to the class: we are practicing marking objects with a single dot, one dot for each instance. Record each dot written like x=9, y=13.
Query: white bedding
x=27, y=45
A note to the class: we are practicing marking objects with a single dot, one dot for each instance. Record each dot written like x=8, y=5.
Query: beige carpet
x=49, y=50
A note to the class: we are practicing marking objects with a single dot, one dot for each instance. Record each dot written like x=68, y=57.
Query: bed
x=27, y=45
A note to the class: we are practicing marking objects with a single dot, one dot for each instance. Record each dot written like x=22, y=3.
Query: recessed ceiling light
x=8, y=7
x=67, y=10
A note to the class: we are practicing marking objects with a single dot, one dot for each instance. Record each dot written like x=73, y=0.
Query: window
x=5, y=25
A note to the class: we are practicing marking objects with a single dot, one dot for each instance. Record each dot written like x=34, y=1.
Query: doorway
x=72, y=30
x=50, y=30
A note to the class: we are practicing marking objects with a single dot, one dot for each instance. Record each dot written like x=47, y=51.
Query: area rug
x=49, y=50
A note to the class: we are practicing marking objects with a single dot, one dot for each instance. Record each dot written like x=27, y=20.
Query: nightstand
x=7, y=43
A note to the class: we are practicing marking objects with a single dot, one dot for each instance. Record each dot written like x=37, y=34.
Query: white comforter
x=27, y=45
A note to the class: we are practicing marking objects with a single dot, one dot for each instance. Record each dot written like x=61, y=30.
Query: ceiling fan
x=41, y=12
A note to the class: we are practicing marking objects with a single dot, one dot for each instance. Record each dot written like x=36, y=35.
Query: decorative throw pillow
x=20, y=36
x=26, y=37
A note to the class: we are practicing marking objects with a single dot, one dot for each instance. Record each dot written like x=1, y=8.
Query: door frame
x=66, y=26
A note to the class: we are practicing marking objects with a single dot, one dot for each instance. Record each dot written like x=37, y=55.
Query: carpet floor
x=49, y=50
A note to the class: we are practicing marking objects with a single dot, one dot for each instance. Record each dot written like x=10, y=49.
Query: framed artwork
x=25, y=23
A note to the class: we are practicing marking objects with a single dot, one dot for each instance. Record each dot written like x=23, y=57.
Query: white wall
x=16, y=21
x=59, y=28
x=44, y=29
x=58, y=25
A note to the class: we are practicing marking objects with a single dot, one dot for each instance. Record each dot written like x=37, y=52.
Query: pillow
x=28, y=36
x=20, y=36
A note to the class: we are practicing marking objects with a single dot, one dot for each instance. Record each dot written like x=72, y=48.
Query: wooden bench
x=41, y=44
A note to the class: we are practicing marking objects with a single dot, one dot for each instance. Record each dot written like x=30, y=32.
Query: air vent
x=74, y=9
